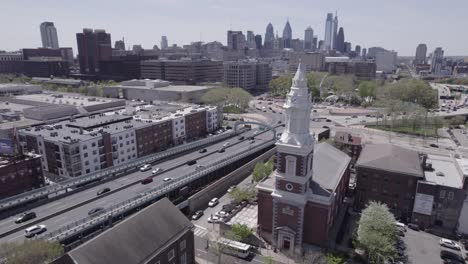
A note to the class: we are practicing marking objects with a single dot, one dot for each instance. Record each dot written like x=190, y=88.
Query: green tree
x=261, y=171
x=280, y=86
x=331, y=258
x=377, y=233
x=367, y=90
x=224, y=96
x=241, y=232
x=243, y=194
x=31, y=251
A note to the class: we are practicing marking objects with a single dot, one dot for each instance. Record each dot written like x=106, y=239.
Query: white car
x=449, y=244
x=145, y=167
x=167, y=179
x=213, y=202
x=34, y=230
x=214, y=219
x=157, y=170
x=222, y=214
x=199, y=167
x=226, y=144
x=231, y=188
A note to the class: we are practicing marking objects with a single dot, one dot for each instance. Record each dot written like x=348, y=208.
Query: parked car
x=415, y=227
x=221, y=150
x=213, y=202
x=167, y=179
x=434, y=145
x=226, y=144
x=103, y=190
x=231, y=188
x=96, y=211
x=191, y=162
x=202, y=150
x=214, y=219
x=197, y=215
x=157, y=170
x=25, y=217
x=241, y=138
x=445, y=254
x=34, y=230
x=145, y=167
x=147, y=180
x=222, y=214
x=449, y=244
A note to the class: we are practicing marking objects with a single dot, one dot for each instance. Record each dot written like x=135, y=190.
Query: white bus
x=235, y=248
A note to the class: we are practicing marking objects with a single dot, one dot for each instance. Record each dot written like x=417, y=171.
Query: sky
x=398, y=25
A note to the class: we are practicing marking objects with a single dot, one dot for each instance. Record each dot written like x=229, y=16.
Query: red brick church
x=299, y=203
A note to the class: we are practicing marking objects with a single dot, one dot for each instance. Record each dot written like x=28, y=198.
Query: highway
x=82, y=211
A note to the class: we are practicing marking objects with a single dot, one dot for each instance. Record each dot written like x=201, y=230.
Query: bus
x=235, y=248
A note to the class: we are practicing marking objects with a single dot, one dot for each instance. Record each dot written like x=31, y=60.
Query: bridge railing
x=61, y=187
x=121, y=208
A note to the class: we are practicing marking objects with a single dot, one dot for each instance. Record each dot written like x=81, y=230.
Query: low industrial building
x=9, y=89
x=344, y=65
x=156, y=90
x=11, y=62
x=60, y=81
x=158, y=234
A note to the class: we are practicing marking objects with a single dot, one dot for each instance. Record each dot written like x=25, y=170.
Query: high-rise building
x=119, y=45
x=287, y=35
x=49, y=35
x=164, y=44
x=386, y=61
x=420, y=57
x=258, y=41
x=314, y=43
x=321, y=44
x=235, y=40
x=437, y=60
x=335, y=28
x=308, y=38
x=249, y=75
x=269, y=37
x=364, y=53
x=250, y=40
x=340, y=43
x=328, y=32
x=347, y=47
x=93, y=46
x=358, y=50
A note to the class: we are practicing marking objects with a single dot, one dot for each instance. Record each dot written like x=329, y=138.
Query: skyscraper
x=250, y=40
x=269, y=36
x=258, y=41
x=308, y=38
x=358, y=50
x=93, y=46
x=364, y=53
x=287, y=35
x=420, y=57
x=335, y=28
x=119, y=45
x=314, y=43
x=49, y=35
x=339, y=43
x=236, y=40
x=164, y=43
x=437, y=60
x=328, y=32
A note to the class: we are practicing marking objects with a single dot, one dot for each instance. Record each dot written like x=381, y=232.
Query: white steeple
x=298, y=106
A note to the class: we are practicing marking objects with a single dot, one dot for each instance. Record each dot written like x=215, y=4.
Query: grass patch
x=232, y=109
x=428, y=132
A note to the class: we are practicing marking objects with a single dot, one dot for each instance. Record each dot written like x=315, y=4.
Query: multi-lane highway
x=173, y=168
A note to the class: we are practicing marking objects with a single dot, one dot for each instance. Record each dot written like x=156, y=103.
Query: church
x=300, y=201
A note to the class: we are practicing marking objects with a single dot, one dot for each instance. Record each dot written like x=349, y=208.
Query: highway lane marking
x=53, y=204
x=60, y=219
x=13, y=238
x=121, y=180
x=201, y=227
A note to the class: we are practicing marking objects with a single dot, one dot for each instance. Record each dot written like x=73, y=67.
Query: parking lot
x=422, y=247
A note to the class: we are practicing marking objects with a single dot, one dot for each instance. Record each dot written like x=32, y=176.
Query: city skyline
x=381, y=28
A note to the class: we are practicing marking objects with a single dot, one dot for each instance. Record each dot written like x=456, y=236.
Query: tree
x=331, y=258
x=241, y=232
x=261, y=171
x=280, y=86
x=31, y=251
x=242, y=194
x=224, y=96
x=367, y=90
x=377, y=233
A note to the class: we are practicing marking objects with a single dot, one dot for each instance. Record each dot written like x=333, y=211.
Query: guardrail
x=112, y=171
x=123, y=207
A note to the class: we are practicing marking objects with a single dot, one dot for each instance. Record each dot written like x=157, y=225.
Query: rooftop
x=65, y=98
x=160, y=85
x=444, y=171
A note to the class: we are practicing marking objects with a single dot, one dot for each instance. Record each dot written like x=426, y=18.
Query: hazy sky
x=393, y=24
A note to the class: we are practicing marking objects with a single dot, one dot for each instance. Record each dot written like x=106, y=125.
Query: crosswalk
x=200, y=231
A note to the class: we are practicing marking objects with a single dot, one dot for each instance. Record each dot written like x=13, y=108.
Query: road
x=64, y=219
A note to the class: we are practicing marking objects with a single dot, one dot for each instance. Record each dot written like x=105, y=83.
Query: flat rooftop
x=444, y=172
x=183, y=88
x=65, y=98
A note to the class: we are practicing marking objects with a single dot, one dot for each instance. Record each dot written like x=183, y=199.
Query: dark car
x=328, y=120
x=445, y=254
x=221, y=150
x=147, y=180
x=415, y=227
x=241, y=138
x=191, y=162
x=96, y=211
x=25, y=217
x=326, y=127
x=434, y=145
x=202, y=151
x=279, y=122
x=103, y=191
x=197, y=215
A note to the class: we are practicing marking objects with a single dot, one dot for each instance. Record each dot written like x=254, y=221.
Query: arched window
x=290, y=166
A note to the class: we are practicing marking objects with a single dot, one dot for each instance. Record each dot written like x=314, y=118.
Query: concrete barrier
x=200, y=200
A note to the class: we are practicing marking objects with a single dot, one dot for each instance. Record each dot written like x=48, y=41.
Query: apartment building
x=249, y=75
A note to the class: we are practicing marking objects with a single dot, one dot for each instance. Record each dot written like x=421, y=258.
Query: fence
x=121, y=208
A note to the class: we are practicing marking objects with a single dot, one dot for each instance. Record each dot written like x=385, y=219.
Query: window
x=87, y=171
x=290, y=165
x=85, y=147
x=94, y=152
x=86, y=163
x=170, y=255
x=450, y=195
x=442, y=194
x=183, y=259
x=182, y=245
x=85, y=155
x=93, y=144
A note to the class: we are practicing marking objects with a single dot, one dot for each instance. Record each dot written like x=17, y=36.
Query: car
x=279, y=122
x=34, y=230
x=214, y=219
x=221, y=150
x=103, y=190
x=226, y=144
x=354, y=116
x=25, y=217
x=326, y=127
x=202, y=150
x=157, y=170
x=96, y=211
x=315, y=110
x=197, y=215
x=147, y=180
x=445, y=254
x=400, y=226
x=415, y=227
x=434, y=145
x=191, y=162
x=273, y=111
x=231, y=188
x=222, y=214
x=450, y=148
x=449, y=244
x=401, y=233
x=252, y=141
x=145, y=167
x=241, y=138
x=167, y=179
x=213, y=202
x=328, y=120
